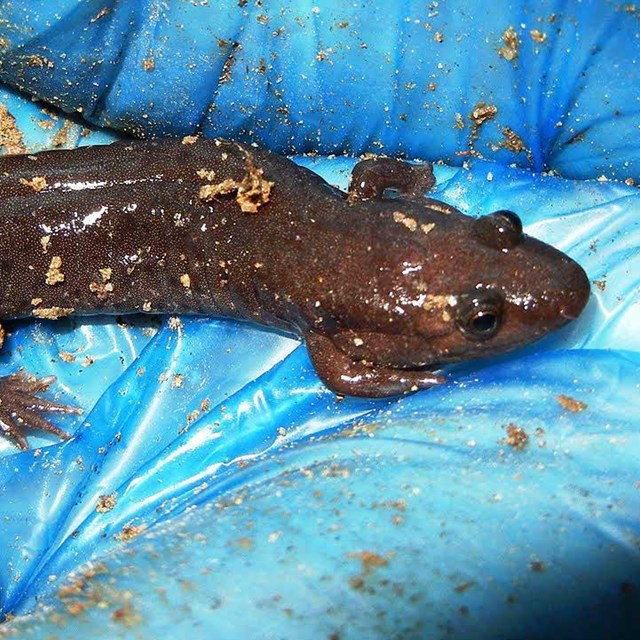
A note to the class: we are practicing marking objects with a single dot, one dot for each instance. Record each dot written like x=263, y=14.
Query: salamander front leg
x=346, y=376
x=375, y=178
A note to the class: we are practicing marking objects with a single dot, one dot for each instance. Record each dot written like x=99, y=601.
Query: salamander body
x=383, y=283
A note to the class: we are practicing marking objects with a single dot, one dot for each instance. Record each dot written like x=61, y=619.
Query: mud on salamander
x=383, y=283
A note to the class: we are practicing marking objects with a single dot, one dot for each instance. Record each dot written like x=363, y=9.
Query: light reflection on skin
x=526, y=301
x=76, y=225
x=410, y=268
x=80, y=186
x=87, y=221
x=426, y=300
x=92, y=218
x=84, y=185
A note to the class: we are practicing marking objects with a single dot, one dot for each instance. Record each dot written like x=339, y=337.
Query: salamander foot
x=372, y=178
x=345, y=376
x=21, y=408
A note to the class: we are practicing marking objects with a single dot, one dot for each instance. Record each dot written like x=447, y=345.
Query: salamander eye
x=500, y=230
x=479, y=314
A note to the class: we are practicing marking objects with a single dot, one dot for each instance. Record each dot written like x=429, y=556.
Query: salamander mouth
x=567, y=315
x=416, y=368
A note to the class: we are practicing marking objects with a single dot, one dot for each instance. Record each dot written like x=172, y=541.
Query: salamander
x=385, y=284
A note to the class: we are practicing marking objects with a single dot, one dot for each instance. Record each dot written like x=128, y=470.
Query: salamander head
x=460, y=288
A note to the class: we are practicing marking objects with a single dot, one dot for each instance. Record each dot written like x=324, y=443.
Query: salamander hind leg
x=346, y=376
x=21, y=409
x=384, y=178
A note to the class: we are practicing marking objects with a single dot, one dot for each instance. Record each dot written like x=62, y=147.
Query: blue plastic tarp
x=222, y=488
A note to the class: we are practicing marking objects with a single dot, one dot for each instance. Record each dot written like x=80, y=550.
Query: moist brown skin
x=384, y=283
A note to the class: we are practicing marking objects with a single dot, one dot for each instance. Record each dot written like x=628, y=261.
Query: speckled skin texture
x=384, y=283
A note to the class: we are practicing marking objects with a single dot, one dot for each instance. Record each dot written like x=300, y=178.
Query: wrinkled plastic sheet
x=238, y=497
x=327, y=77
x=414, y=518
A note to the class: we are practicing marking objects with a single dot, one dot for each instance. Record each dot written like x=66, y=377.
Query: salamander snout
x=554, y=277
x=553, y=291
x=510, y=296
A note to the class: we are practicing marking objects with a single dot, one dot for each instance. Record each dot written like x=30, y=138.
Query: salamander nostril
x=577, y=301
x=577, y=290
